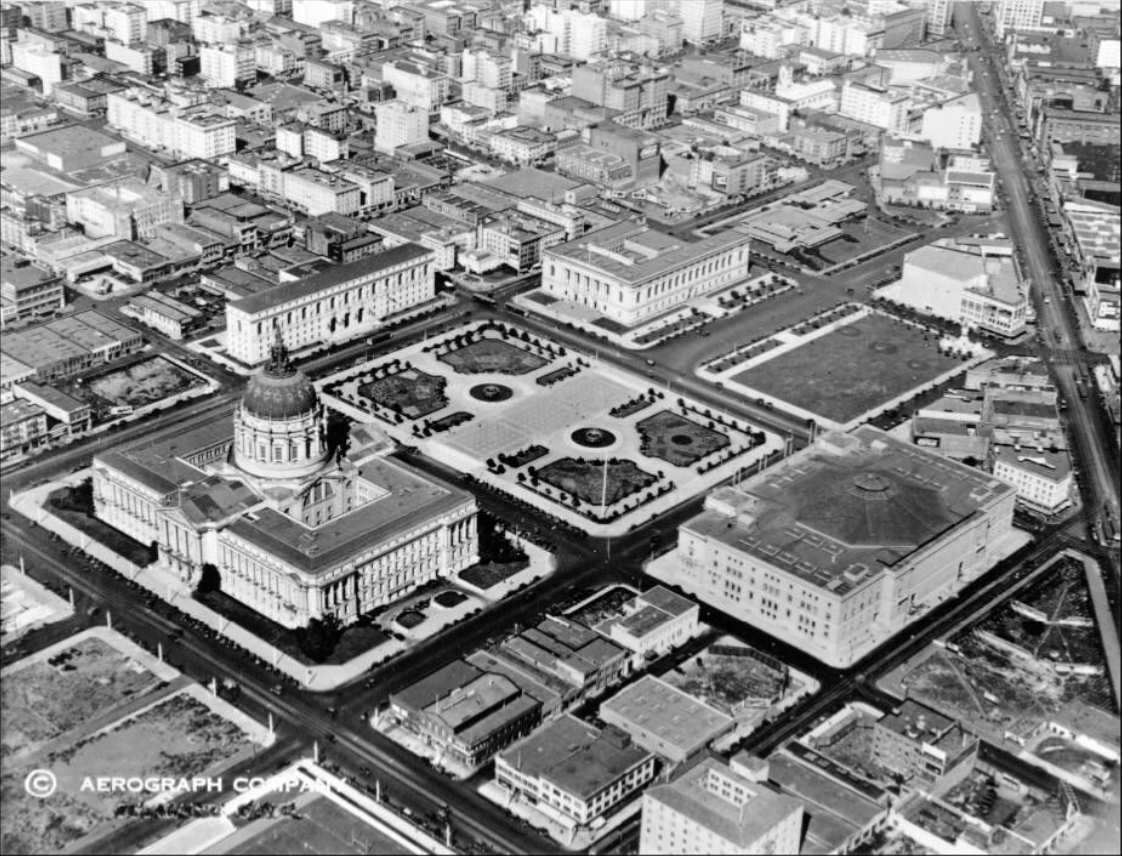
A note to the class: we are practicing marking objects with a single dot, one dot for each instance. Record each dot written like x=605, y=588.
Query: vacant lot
x=178, y=737
x=852, y=369
x=50, y=697
x=142, y=383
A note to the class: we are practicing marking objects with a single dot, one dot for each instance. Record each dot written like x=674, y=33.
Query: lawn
x=180, y=736
x=50, y=697
x=356, y=638
x=591, y=482
x=677, y=440
x=852, y=369
x=411, y=392
x=488, y=574
x=75, y=506
x=492, y=356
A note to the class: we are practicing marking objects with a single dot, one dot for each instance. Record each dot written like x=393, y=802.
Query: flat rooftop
x=838, y=513
x=635, y=253
x=160, y=462
x=671, y=715
x=336, y=275
x=576, y=757
x=729, y=805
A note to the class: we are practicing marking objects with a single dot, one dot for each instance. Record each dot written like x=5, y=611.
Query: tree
x=320, y=637
x=209, y=579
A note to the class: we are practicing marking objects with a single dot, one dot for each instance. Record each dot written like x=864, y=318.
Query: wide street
x=1094, y=447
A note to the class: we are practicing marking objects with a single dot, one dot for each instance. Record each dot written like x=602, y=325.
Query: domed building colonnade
x=295, y=529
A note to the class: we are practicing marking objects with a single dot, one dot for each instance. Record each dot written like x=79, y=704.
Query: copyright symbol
x=40, y=783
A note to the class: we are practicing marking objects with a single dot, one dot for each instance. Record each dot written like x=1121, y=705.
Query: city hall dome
x=279, y=426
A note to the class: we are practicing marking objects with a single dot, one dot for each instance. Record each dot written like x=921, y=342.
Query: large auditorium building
x=294, y=528
x=845, y=543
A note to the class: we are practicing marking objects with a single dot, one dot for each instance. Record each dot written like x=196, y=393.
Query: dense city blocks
x=560, y=426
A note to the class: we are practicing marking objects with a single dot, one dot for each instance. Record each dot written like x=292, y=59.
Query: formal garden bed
x=492, y=356
x=596, y=482
x=677, y=440
x=410, y=392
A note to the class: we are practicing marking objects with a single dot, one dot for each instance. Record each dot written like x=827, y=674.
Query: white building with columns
x=336, y=305
x=632, y=274
x=283, y=521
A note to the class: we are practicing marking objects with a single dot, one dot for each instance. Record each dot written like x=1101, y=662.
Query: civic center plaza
x=843, y=544
x=294, y=528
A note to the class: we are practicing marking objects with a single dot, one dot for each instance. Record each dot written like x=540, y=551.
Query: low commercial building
x=340, y=304
x=1016, y=373
x=843, y=544
x=170, y=316
x=192, y=181
x=466, y=713
x=573, y=771
x=974, y=289
x=127, y=208
x=70, y=415
x=67, y=346
x=27, y=291
x=664, y=719
x=631, y=274
x=315, y=192
x=339, y=238
x=712, y=809
x=71, y=147
x=921, y=745
x=515, y=239
x=653, y=623
x=1042, y=477
x=23, y=427
x=522, y=145
x=583, y=662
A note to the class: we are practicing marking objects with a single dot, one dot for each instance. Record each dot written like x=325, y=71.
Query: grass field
x=487, y=574
x=852, y=369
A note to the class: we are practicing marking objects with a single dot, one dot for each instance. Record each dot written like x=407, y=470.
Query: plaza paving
x=524, y=410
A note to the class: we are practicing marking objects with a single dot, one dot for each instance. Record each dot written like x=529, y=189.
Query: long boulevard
x=1056, y=313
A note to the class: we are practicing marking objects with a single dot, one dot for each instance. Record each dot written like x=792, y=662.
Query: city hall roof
x=838, y=513
x=164, y=462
